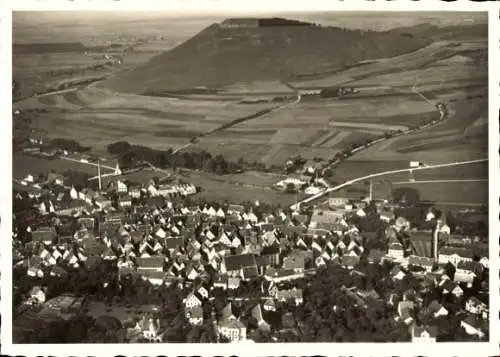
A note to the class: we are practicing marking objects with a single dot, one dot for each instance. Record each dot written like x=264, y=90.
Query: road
x=438, y=181
x=378, y=174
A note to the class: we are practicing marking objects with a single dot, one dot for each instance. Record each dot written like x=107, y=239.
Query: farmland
x=449, y=70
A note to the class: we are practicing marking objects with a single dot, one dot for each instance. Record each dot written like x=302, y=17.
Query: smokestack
x=435, y=238
x=371, y=191
x=99, y=174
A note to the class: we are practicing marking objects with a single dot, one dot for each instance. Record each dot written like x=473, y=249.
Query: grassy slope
x=218, y=56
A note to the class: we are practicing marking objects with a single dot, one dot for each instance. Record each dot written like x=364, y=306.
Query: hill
x=244, y=50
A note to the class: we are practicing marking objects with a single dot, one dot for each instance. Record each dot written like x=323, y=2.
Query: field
x=23, y=165
x=452, y=70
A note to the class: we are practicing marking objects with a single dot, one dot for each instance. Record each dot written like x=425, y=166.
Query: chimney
x=99, y=174
x=435, y=237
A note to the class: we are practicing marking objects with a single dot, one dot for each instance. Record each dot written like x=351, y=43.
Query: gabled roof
x=434, y=306
x=294, y=262
x=474, y=321
x=150, y=262
x=472, y=266
x=421, y=261
x=462, y=252
x=419, y=330
x=376, y=254
x=250, y=272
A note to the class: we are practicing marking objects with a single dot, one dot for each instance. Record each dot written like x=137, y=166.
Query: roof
x=421, y=244
x=150, y=262
x=395, y=246
x=434, y=306
x=472, y=266
x=289, y=294
x=173, y=243
x=250, y=272
x=474, y=321
x=350, y=260
x=376, y=254
x=462, y=252
x=195, y=312
x=294, y=262
x=421, y=261
x=236, y=262
x=431, y=330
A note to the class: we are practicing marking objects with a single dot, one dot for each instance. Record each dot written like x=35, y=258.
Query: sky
x=81, y=26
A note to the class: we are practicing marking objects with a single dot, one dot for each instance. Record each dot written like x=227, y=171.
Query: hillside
x=253, y=49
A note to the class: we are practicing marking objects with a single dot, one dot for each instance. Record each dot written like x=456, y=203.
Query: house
x=55, y=178
x=269, y=305
x=135, y=192
x=467, y=270
x=476, y=306
x=397, y=273
x=424, y=334
x=375, y=256
x=154, y=263
x=154, y=277
x=290, y=295
x=233, y=283
x=424, y=262
x=125, y=201
x=58, y=271
x=37, y=295
x=232, y=329
x=257, y=315
x=44, y=235
x=405, y=311
x=449, y=287
x=120, y=186
x=295, y=263
x=220, y=282
x=233, y=264
x=395, y=251
x=87, y=222
x=102, y=202
x=149, y=328
x=350, y=261
x=436, y=309
x=454, y=255
x=35, y=271
x=473, y=326
x=195, y=315
x=192, y=300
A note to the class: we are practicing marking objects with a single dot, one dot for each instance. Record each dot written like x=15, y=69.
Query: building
x=192, y=300
x=396, y=251
x=476, y=307
x=37, y=295
x=424, y=334
x=195, y=315
x=233, y=264
x=149, y=328
x=454, y=255
x=422, y=244
x=473, y=326
x=232, y=329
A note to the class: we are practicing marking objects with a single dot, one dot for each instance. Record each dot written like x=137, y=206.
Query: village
x=233, y=272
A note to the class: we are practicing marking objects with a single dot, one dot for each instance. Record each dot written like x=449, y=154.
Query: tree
x=290, y=188
x=408, y=195
x=118, y=147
